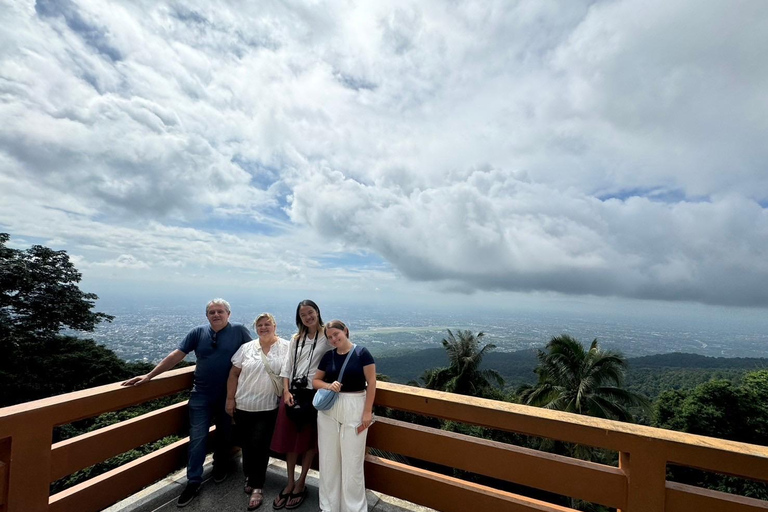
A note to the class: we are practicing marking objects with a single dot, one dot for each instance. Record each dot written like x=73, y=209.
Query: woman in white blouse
x=296, y=429
x=252, y=400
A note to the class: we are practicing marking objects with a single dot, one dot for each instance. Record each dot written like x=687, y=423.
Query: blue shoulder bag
x=325, y=398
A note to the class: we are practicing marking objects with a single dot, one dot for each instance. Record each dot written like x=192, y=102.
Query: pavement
x=229, y=495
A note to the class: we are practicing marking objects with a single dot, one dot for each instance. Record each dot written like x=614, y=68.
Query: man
x=214, y=345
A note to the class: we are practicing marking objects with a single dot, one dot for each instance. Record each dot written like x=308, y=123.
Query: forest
x=40, y=299
x=648, y=375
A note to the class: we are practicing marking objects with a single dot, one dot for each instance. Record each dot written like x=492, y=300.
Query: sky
x=501, y=150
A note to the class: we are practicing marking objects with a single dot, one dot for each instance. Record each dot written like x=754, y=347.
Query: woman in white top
x=296, y=430
x=252, y=400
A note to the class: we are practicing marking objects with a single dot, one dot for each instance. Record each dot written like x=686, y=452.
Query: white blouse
x=254, y=388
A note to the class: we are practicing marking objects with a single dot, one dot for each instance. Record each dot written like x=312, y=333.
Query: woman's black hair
x=300, y=325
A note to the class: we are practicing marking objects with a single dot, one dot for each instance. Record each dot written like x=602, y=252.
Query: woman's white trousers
x=342, y=455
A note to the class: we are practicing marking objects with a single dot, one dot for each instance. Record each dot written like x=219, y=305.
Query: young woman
x=296, y=429
x=252, y=400
x=343, y=429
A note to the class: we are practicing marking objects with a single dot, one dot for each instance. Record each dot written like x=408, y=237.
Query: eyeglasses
x=214, y=341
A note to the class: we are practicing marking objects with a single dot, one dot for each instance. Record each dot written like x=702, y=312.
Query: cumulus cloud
x=125, y=261
x=496, y=231
x=608, y=148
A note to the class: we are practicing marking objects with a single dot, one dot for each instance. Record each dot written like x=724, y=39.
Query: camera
x=299, y=383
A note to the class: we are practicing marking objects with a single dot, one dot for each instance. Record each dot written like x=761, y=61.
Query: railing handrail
x=77, y=405
x=586, y=423
x=644, y=452
x=701, y=452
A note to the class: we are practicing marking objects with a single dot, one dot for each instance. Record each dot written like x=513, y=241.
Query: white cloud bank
x=611, y=148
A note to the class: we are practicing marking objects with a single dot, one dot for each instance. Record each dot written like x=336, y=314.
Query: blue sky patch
x=658, y=194
x=262, y=176
x=92, y=35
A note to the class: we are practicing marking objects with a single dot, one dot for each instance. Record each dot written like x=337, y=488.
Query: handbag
x=277, y=382
x=325, y=398
x=301, y=413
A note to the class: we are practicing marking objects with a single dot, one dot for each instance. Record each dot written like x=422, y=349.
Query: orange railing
x=637, y=485
x=29, y=462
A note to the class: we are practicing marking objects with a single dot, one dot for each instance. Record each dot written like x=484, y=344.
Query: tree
x=574, y=379
x=463, y=374
x=719, y=409
x=40, y=297
x=39, y=294
x=581, y=381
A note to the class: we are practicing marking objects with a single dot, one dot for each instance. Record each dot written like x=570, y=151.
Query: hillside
x=683, y=360
x=516, y=367
x=649, y=375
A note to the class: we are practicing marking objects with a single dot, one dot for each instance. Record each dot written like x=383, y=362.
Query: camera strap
x=296, y=354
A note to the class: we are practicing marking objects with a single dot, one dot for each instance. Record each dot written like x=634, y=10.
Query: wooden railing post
x=646, y=472
x=5, y=461
x=29, y=471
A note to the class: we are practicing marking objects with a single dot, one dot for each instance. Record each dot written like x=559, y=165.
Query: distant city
x=148, y=332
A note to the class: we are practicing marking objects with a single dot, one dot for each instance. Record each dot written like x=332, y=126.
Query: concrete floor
x=229, y=495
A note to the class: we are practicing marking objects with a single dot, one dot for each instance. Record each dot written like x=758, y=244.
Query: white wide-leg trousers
x=342, y=455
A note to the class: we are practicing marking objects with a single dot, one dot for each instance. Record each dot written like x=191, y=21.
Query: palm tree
x=463, y=374
x=589, y=382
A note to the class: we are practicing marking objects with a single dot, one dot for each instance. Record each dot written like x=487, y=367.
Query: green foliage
x=685, y=360
x=719, y=409
x=39, y=294
x=39, y=297
x=39, y=368
x=647, y=375
x=652, y=382
x=581, y=381
x=463, y=374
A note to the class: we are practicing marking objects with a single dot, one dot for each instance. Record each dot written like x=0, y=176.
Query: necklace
x=345, y=352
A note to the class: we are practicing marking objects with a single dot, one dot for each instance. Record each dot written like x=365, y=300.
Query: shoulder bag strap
x=272, y=376
x=346, y=360
x=266, y=363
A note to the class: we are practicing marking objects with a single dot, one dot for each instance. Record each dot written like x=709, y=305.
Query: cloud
x=495, y=231
x=610, y=148
x=125, y=261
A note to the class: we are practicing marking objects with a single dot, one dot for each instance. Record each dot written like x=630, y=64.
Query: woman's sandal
x=257, y=497
x=281, y=500
x=301, y=497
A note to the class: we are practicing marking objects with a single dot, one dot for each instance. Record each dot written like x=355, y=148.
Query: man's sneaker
x=188, y=494
x=219, y=474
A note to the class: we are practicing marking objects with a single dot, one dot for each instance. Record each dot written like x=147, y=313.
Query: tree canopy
x=463, y=374
x=39, y=298
x=719, y=409
x=583, y=381
x=39, y=293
